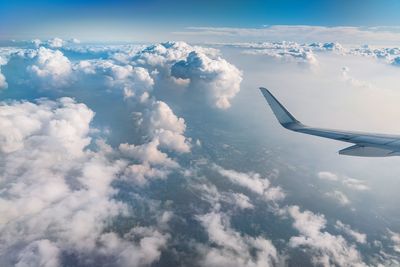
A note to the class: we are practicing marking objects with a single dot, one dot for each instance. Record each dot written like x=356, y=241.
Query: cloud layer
x=102, y=163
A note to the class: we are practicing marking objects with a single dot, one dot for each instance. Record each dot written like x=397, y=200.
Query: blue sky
x=24, y=19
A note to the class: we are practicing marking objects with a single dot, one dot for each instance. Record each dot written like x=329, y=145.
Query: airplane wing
x=365, y=144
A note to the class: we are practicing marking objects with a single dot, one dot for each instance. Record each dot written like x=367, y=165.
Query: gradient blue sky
x=21, y=19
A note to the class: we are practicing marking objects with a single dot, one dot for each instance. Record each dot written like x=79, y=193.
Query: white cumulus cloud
x=339, y=196
x=230, y=248
x=357, y=236
x=57, y=194
x=219, y=78
x=50, y=67
x=326, y=249
x=253, y=182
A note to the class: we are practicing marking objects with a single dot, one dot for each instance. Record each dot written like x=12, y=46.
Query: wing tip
x=282, y=114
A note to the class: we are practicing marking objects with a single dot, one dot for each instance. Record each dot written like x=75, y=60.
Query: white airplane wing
x=365, y=144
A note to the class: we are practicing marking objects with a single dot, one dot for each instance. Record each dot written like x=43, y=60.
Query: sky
x=126, y=19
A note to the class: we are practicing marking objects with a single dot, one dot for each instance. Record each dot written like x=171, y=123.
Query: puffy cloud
x=339, y=196
x=212, y=195
x=395, y=238
x=242, y=201
x=327, y=176
x=162, y=117
x=166, y=127
x=166, y=131
x=36, y=42
x=3, y=82
x=230, y=248
x=25, y=125
x=357, y=236
x=326, y=249
x=133, y=80
x=74, y=41
x=57, y=195
x=396, y=61
x=355, y=184
x=140, y=247
x=167, y=54
x=327, y=47
x=55, y=42
x=147, y=152
x=388, y=54
x=215, y=75
x=308, y=53
x=50, y=67
x=142, y=173
x=207, y=73
x=288, y=51
x=253, y=182
x=39, y=253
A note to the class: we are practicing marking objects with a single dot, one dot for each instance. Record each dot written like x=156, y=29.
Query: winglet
x=284, y=117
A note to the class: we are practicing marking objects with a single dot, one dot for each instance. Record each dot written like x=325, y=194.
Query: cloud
x=69, y=197
x=349, y=182
x=74, y=41
x=353, y=81
x=132, y=252
x=212, y=195
x=3, y=82
x=330, y=46
x=253, y=182
x=242, y=201
x=55, y=42
x=308, y=53
x=148, y=153
x=230, y=248
x=39, y=253
x=50, y=67
x=207, y=73
x=163, y=129
x=387, y=54
x=153, y=164
x=24, y=123
x=339, y=196
x=132, y=80
x=395, y=238
x=298, y=33
x=201, y=71
x=287, y=51
x=166, y=131
x=357, y=236
x=327, y=176
x=355, y=184
x=166, y=127
x=36, y=42
x=219, y=78
x=57, y=195
x=326, y=249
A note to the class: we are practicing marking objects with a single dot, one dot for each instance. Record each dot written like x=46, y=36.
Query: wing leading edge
x=365, y=144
